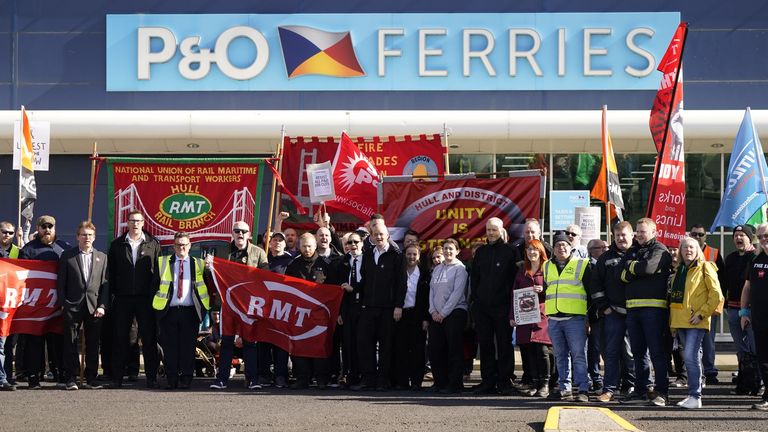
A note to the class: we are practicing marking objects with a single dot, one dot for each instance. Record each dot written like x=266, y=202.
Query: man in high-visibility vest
x=647, y=266
x=7, y=250
x=565, y=278
x=180, y=301
x=711, y=254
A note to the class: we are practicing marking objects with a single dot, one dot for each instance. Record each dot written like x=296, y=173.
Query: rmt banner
x=203, y=197
x=419, y=155
x=297, y=315
x=28, y=300
x=460, y=208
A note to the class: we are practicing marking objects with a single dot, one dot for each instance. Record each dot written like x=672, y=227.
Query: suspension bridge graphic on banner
x=240, y=204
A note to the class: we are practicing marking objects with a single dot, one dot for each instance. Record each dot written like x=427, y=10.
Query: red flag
x=355, y=180
x=666, y=201
x=294, y=314
x=662, y=104
x=28, y=298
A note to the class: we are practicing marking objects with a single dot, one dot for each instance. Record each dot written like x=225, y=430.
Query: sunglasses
x=6, y=232
x=572, y=234
x=239, y=231
x=698, y=234
x=46, y=226
x=351, y=242
x=181, y=245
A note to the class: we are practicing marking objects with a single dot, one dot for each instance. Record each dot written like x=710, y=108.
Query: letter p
x=144, y=55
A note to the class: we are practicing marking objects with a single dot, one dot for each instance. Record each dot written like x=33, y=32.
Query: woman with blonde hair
x=694, y=296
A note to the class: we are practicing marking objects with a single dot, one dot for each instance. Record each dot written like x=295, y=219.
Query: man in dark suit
x=82, y=287
x=180, y=301
x=132, y=269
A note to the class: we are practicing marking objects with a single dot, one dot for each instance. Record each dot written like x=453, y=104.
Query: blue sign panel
x=562, y=207
x=402, y=52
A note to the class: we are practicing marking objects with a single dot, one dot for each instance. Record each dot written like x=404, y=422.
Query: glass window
x=467, y=163
x=702, y=189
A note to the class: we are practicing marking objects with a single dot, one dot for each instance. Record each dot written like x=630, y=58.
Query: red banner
x=408, y=155
x=28, y=299
x=663, y=103
x=294, y=314
x=459, y=209
x=355, y=181
x=202, y=197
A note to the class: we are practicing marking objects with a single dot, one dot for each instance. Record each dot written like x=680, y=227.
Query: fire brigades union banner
x=203, y=197
x=460, y=208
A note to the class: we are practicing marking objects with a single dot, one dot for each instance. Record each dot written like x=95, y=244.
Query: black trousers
x=304, y=368
x=271, y=355
x=11, y=348
x=178, y=334
x=497, y=356
x=536, y=358
x=350, y=353
x=409, y=341
x=124, y=310
x=376, y=326
x=446, y=350
x=34, y=354
x=761, y=348
x=73, y=322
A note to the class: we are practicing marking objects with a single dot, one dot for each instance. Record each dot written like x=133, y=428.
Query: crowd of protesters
x=647, y=311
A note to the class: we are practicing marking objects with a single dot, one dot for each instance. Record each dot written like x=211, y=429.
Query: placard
x=525, y=305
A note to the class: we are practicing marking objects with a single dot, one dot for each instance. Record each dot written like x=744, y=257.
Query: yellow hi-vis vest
x=14, y=252
x=565, y=291
x=166, y=279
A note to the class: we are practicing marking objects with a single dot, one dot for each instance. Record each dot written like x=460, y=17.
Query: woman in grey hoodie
x=448, y=310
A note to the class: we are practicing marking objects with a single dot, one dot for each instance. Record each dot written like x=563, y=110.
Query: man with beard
x=610, y=303
x=45, y=247
x=646, y=270
x=242, y=251
x=311, y=267
x=132, y=260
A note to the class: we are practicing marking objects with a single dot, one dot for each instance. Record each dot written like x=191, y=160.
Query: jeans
x=569, y=341
x=616, y=354
x=692, y=343
x=737, y=333
x=647, y=329
x=708, y=346
x=3, y=378
x=227, y=351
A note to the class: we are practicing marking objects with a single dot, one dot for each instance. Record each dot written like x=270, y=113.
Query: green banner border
x=110, y=161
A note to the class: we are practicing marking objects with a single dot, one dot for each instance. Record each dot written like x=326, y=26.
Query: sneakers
x=254, y=385
x=658, y=399
x=218, y=385
x=8, y=387
x=634, y=399
x=281, y=382
x=712, y=379
x=679, y=383
x=265, y=381
x=71, y=385
x=34, y=384
x=566, y=396
x=762, y=406
x=690, y=403
x=582, y=397
x=606, y=396
x=92, y=386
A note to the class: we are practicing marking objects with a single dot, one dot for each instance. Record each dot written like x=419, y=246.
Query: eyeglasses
x=572, y=234
x=6, y=232
x=46, y=226
x=240, y=231
x=135, y=220
x=698, y=234
x=181, y=245
x=351, y=242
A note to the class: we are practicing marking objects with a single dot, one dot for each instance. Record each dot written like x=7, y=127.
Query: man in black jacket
x=383, y=293
x=132, y=262
x=493, y=270
x=609, y=301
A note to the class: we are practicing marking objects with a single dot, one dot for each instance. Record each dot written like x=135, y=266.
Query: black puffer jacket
x=493, y=271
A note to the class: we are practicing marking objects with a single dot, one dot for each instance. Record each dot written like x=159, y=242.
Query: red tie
x=180, y=280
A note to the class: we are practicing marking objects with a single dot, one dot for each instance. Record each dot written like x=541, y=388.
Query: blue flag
x=745, y=189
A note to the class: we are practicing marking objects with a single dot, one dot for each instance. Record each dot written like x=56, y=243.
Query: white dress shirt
x=186, y=294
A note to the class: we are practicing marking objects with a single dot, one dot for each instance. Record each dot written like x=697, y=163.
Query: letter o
x=222, y=57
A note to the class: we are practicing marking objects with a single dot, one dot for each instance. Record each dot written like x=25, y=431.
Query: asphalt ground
x=135, y=408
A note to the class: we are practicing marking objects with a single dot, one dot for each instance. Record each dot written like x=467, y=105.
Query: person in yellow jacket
x=694, y=294
x=180, y=302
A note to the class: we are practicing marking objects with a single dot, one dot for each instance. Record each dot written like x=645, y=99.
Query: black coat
x=127, y=279
x=383, y=283
x=72, y=288
x=494, y=268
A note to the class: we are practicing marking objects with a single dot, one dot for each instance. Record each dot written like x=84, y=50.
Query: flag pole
x=21, y=164
x=759, y=151
x=278, y=157
x=94, y=155
x=445, y=143
x=607, y=172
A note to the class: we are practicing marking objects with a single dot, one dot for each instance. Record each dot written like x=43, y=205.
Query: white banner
x=588, y=219
x=41, y=144
x=320, y=177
